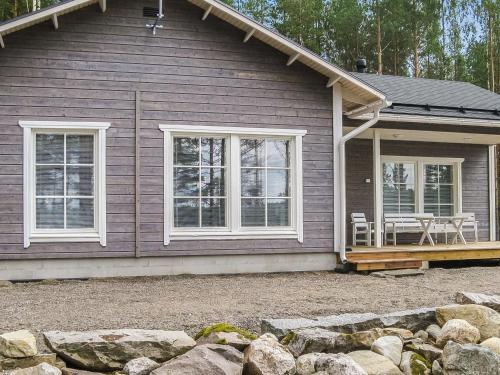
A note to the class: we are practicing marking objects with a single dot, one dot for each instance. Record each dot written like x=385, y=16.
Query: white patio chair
x=360, y=226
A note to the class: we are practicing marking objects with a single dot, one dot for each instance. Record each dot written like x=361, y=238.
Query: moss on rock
x=289, y=337
x=224, y=327
x=419, y=365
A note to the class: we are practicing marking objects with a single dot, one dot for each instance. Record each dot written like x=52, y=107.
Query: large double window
x=232, y=183
x=421, y=185
x=64, y=182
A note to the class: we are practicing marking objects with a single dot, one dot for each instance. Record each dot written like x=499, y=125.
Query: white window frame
x=233, y=229
x=98, y=233
x=420, y=163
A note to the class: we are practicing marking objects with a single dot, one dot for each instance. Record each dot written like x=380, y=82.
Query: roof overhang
x=356, y=93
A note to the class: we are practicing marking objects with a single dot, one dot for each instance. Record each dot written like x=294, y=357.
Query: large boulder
x=390, y=347
x=493, y=343
x=140, y=366
x=460, y=331
x=209, y=359
x=466, y=298
x=18, y=344
x=107, y=350
x=339, y=364
x=266, y=356
x=414, y=364
x=434, y=331
x=41, y=369
x=374, y=364
x=7, y=363
x=469, y=359
x=233, y=339
x=306, y=364
x=413, y=320
x=483, y=318
x=429, y=352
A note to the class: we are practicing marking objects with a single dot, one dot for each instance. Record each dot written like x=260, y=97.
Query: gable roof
x=432, y=97
x=356, y=92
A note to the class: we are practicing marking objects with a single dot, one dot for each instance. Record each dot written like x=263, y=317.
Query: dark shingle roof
x=421, y=96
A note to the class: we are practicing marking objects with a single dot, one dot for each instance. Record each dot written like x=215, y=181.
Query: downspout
x=343, y=195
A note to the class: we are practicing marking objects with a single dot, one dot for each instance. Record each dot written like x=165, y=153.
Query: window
x=413, y=184
x=232, y=183
x=64, y=182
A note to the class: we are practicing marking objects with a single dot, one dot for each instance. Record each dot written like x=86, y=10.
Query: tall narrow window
x=199, y=182
x=265, y=183
x=399, y=187
x=439, y=189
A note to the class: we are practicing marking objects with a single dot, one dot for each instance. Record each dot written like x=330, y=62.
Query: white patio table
x=426, y=220
x=457, y=221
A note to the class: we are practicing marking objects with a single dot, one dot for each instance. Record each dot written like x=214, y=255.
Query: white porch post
x=337, y=179
x=377, y=189
x=492, y=173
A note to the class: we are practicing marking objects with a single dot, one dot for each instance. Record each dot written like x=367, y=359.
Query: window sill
x=247, y=235
x=65, y=237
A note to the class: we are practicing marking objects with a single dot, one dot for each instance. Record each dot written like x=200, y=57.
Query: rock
x=412, y=320
x=106, y=350
x=390, y=347
x=266, y=356
x=422, y=335
x=427, y=351
x=233, y=339
x=460, y=331
x=414, y=364
x=434, y=331
x=209, y=359
x=18, y=344
x=436, y=368
x=12, y=363
x=41, y=369
x=493, y=343
x=338, y=364
x=140, y=366
x=306, y=364
x=483, y=318
x=373, y=363
x=73, y=371
x=469, y=359
x=466, y=298
x=5, y=284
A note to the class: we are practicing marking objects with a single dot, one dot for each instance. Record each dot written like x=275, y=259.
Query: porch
x=367, y=258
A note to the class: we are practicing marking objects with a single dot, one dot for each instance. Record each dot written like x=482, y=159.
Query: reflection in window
x=199, y=182
x=438, y=189
x=265, y=182
x=398, y=187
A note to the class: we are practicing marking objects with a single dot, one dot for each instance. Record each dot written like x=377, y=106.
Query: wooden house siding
x=475, y=194
x=192, y=72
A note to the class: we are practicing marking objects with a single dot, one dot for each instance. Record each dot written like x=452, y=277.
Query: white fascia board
x=390, y=117
x=43, y=15
x=64, y=124
x=232, y=130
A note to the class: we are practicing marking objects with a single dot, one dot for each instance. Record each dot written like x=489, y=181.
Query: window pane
x=391, y=194
x=253, y=213
x=277, y=183
x=212, y=182
x=407, y=208
x=446, y=210
x=213, y=212
x=213, y=151
x=406, y=194
x=50, y=213
x=277, y=212
x=445, y=174
x=445, y=194
x=431, y=174
x=79, y=181
x=252, y=152
x=391, y=209
x=252, y=182
x=431, y=209
x=278, y=153
x=186, y=213
x=49, y=180
x=50, y=148
x=431, y=194
x=406, y=173
x=79, y=149
x=79, y=213
x=186, y=151
x=186, y=181
x=389, y=173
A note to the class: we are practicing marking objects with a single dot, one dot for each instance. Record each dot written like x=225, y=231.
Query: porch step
x=386, y=264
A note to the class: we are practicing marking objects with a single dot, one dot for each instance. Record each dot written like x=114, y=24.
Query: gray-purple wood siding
x=475, y=191
x=194, y=73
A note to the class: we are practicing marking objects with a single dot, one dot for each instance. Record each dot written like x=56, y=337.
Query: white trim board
x=392, y=117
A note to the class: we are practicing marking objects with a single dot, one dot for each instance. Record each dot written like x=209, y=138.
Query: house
x=203, y=142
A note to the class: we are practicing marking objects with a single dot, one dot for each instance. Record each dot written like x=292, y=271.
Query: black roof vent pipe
x=361, y=65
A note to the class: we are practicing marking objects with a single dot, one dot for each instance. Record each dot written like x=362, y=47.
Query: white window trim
x=30, y=234
x=419, y=162
x=234, y=231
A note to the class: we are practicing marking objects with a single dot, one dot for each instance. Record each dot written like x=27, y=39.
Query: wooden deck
x=411, y=256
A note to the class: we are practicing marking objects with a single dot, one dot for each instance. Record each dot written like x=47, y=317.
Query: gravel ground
x=190, y=302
